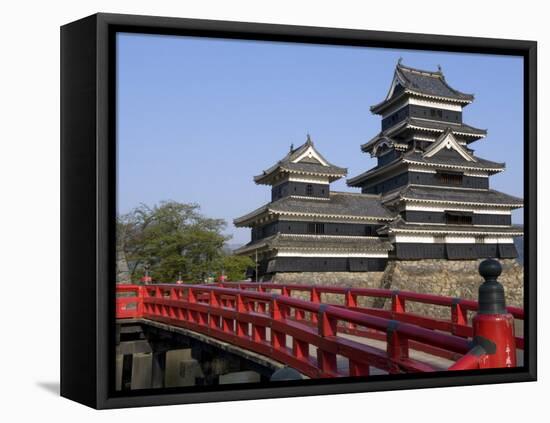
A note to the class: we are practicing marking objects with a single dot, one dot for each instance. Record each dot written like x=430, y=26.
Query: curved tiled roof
x=400, y=225
x=441, y=126
x=427, y=125
x=417, y=157
x=455, y=195
x=355, y=244
x=339, y=204
x=286, y=164
x=422, y=83
x=429, y=82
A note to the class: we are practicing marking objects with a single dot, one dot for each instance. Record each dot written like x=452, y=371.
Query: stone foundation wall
x=343, y=279
x=455, y=278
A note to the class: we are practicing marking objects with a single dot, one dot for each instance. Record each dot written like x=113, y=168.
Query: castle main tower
x=428, y=175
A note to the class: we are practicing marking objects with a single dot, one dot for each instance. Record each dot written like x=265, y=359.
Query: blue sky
x=198, y=117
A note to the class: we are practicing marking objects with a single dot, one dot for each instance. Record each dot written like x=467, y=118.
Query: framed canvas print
x=257, y=211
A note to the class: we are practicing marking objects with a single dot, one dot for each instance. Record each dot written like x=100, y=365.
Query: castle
x=427, y=198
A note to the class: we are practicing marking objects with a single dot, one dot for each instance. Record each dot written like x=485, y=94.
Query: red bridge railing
x=459, y=323
x=310, y=336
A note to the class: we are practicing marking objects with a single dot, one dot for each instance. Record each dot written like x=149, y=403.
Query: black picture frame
x=88, y=170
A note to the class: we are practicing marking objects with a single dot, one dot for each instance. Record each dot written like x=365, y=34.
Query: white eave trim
x=301, y=172
x=332, y=216
x=484, y=169
x=466, y=134
x=329, y=252
x=446, y=99
x=450, y=231
x=310, y=153
x=461, y=202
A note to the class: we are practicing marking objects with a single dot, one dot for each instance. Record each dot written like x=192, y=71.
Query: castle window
x=450, y=178
x=457, y=218
x=309, y=189
x=316, y=228
x=435, y=113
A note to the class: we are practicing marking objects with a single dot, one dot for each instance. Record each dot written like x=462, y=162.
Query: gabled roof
x=320, y=243
x=447, y=141
x=343, y=205
x=305, y=160
x=432, y=194
x=422, y=83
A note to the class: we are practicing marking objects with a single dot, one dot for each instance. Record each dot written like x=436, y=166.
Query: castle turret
x=309, y=228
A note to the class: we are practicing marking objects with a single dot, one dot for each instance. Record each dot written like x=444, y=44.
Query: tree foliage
x=172, y=238
x=235, y=267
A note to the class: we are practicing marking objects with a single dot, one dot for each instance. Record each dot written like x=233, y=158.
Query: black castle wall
x=439, y=217
x=301, y=227
x=415, y=111
x=299, y=188
x=416, y=251
x=327, y=264
x=421, y=178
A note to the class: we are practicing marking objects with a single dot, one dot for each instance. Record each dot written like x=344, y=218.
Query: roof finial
x=291, y=147
x=308, y=140
x=439, y=68
x=400, y=61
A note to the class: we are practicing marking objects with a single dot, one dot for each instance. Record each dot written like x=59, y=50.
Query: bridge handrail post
x=350, y=302
x=327, y=325
x=397, y=344
x=397, y=303
x=140, y=295
x=459, y=317
x=278, y=339
x=314, y=297
x=493, y=326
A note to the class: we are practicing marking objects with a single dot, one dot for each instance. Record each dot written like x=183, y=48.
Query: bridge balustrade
x=461, y=310
x=310, y=335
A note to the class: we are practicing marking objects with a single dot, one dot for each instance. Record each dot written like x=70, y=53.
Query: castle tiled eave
x=340, y=205
x=421, y=83
x=426, y=125
x=358, y=180
x=457, y=196
x=304, y=160
x=331, y=172
x=439, y=126
x=399, y=226
x=417, y=158
x=318, y=243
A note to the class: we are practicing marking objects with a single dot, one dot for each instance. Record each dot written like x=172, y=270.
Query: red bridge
x=300, y=327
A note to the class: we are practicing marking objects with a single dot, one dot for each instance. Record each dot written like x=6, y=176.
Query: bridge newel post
x=493, y=326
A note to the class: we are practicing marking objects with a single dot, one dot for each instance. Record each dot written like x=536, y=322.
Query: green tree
x=171, y=238
x=235, y=267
